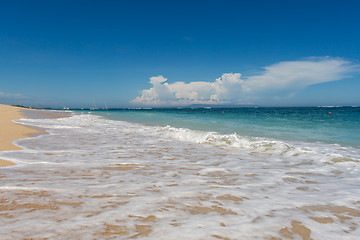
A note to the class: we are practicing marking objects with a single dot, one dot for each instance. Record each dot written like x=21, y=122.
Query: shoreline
x=11, y=131
x=98, y=178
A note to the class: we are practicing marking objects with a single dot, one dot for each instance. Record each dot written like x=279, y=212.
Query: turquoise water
x=184, y=169
x=334, y=125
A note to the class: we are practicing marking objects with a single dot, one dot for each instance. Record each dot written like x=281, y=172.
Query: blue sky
x=167, y=53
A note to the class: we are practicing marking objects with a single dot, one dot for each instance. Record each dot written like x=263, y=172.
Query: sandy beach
x=90, y=177
x=11, y=131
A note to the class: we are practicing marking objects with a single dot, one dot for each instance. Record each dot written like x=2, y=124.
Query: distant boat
x=93, y=108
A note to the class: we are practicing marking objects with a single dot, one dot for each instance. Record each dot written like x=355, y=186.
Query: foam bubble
x=96, y=178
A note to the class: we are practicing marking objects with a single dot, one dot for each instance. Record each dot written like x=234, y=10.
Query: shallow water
x=96, y=178
x=339, y=125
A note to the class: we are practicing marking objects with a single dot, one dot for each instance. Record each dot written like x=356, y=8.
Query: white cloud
x=11, y=95
x=181, y=93
x=288, y=76
x=299, y=74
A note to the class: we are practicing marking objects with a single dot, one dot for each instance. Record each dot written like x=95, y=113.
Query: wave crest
x=231, y=140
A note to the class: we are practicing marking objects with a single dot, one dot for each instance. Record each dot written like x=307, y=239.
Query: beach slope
x=11, y=131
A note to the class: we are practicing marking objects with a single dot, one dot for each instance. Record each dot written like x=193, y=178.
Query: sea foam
x=91, y=177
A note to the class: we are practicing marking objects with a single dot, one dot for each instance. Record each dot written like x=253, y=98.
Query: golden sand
x=10, y=131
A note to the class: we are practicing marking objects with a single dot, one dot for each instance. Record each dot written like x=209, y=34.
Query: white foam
x=89, y=173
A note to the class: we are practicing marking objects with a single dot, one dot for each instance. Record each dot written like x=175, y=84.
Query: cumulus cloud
x=290, y=76
x=181, y=93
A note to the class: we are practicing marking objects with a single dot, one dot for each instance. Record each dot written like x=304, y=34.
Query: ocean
x=196, y=173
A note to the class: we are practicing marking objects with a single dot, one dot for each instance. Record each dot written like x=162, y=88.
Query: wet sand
x=11, y=131
x=107, y=200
